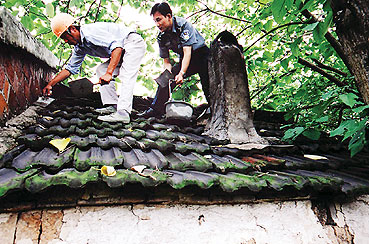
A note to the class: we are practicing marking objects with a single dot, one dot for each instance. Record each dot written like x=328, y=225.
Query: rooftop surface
x=158, y=161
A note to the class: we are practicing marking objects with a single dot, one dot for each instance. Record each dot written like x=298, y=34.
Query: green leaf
x=360, y=109
x=279, y=10
x=357, y=142
x=349, y=99
x=354, y=127
x=293, y=133
x=27, y=22
x=284, y=63
x=341, y=129
x=312, y=134
x=310, y=27
x=268, y=25
x=295, y=47
x=50, y=10
x=10, y=3
x=75, y=3
x=322, y=119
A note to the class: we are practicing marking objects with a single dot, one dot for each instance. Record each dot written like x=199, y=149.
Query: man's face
x=70, y=36
x=164, y=23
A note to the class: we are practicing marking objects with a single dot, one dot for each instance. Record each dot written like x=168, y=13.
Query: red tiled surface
x=22, y=77
x=9, y=68
x=6, y=90
x=2, y=76
x=3, y=105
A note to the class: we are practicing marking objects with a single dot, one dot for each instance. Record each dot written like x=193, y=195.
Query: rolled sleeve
x=115, y=44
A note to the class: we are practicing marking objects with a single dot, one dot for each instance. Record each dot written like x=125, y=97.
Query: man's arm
x=114, y=60
x=185, y=63
x=167, y=64
x=64, y=74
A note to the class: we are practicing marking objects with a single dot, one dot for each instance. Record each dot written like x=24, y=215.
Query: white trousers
x=126, y=71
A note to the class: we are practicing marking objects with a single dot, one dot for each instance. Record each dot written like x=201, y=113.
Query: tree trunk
x=229, y=93
x=352, y=28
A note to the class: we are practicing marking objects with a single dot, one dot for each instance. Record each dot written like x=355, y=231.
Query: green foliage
x=274, y=34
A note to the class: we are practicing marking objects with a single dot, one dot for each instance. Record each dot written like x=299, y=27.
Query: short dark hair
x=162, y=8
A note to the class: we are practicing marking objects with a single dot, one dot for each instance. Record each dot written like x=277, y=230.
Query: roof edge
x=14, y=33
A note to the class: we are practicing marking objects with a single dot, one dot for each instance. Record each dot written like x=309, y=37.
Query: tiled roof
x=174, y=156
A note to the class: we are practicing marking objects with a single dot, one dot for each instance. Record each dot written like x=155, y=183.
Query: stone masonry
x=25, y=66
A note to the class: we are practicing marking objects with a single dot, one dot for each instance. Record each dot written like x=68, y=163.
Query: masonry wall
x=25, y=66
x=22, y=77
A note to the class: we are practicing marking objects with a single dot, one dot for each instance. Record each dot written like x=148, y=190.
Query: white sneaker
x=106, y=110
x=121, y=116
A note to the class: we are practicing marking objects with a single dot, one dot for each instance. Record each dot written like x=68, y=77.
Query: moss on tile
x=320, y=182
x=68, y=177
x=138, y=134
x=84, y=160
x=164, y=146
x=179, y=180
x=192, y=161
x=235, y=181
x=124, y=176
x=12, y=180
x=168, y=135
x=278, y=182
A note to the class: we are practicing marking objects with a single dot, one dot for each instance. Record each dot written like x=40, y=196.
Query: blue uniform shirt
x=182, y=34
x=98, y=40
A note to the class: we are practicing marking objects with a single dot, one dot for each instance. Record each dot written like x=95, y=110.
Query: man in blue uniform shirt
x=124, y=49
x=181, y=37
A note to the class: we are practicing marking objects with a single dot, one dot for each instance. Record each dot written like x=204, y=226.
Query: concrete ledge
x=12, y=32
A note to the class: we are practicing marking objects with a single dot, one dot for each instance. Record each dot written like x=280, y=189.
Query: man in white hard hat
x=125, y=50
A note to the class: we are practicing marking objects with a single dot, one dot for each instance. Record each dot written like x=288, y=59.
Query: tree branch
x=223, y=15
x=320, y=71
x=97, y=12
x=273, y=81
x=89, y=9
x=245, y=28
x=198, y=17
x=120, y=8
x=197, y=12
x=330, y=38
x=323, y=66
x=272, y=30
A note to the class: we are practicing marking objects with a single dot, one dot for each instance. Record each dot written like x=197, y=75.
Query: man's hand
x=179, y=79
x=64, y=74
x=105, y=79
x=47, y=90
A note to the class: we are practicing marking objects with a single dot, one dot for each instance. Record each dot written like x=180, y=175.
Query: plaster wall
x=272, y=222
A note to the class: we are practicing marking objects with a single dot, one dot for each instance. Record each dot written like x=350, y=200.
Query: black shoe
x=150, y=113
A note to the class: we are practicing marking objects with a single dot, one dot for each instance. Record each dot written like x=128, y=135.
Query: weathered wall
x=273, y=222
x=25, y=66
x=22, y=78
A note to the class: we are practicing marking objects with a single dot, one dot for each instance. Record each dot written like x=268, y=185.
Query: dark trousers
x=198, y=65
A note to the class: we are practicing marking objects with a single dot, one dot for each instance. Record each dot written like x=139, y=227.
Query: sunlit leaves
x=280, y=8
x=27, y=22
x=50, y=10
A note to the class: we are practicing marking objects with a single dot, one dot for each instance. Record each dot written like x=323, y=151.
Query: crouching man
x=182, y=38
x=125, y=50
